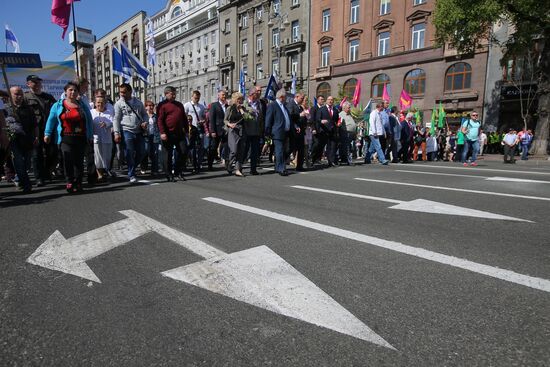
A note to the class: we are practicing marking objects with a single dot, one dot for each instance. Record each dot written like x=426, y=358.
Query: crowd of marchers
x=76, y=136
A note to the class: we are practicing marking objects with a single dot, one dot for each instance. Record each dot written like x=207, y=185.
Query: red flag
x=385, y=95
x=357, y=93
x=61, y=14
x=343, y=100
x=405, y=101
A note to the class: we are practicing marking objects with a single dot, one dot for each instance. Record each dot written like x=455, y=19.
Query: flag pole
x=75, y=42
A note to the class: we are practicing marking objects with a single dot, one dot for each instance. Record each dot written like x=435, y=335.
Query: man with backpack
x=471, y=128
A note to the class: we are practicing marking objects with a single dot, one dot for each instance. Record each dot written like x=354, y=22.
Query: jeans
x=524, y=152
x=280, y=163
x=375, y=146
x=135, y=147
x=21, y=161
x=152, y=150
x=474, y=146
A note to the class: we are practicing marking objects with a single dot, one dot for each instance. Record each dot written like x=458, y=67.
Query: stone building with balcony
x=131, y=33
x=392, y=43
x=186, y=43
x=261, y=38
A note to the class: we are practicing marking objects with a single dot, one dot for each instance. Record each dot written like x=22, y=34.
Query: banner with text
x=54, y=76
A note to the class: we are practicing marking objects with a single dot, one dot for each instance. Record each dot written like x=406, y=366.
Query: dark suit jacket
x=406, y=132
x=314, y=116
x=216, y=116
x=275, y=121
x=294, y=113
x=324, y=114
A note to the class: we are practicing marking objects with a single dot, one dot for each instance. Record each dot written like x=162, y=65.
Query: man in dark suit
x=218, y=136
x=299, y=119
x=278, y=125
x=407, y=133
x=319, y=140
x=328, y=119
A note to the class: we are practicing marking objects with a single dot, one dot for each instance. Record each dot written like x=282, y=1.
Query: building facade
x=391, y=43
x=261, y=38
x=131, y=33
x=86, y=59
x=186, y=43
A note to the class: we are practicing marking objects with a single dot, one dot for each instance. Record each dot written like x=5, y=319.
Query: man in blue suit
x=278, y=125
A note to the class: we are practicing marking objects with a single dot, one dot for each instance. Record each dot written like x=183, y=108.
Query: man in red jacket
x=172, y=122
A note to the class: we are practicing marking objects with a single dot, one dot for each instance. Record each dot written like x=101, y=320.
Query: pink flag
x=385, y=95
x=61, y=14
x=343, y=100
x=405, y=100
x=357, y=93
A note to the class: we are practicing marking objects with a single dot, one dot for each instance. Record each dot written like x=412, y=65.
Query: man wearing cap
x=44, y=157
x=254, y=127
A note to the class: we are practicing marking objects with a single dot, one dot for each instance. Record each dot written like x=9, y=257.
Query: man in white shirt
x=376, y=131
x=196, y=136
x=509, y=143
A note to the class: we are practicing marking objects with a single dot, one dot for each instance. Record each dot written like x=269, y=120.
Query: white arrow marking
x=456, y=189
x=259, y=277
x=70, y=256
x=420, y=205
x=503, y=274
x=509, y=179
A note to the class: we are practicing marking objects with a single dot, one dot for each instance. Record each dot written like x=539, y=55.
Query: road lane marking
x=419, y=205
x=486, y=169
x=486, y=178
x=491, y=271
x=456, y=189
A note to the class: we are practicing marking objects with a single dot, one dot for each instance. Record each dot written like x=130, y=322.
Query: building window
x=259, y=12
x=295, y=31
x=377, y=87
x=383, y=43
x=353, y=50
x=244, y=48
x=259, y=71
x=206, y=61
x=294, y=63
x=418, y=36
x=354, y=12
x=295, y=2
x=349, y=88
x=259, y=42
x=326, y=20
x=415, y=82
x=323, y=89
x=418, y=2
x=227, y=50
x=385, y=7
x=275, y=67
x=458, y=77
x=244, y=20
x=176, y=12
x=325, y=56
x=276, y=6
x=199, y=44
x=275, y=37
x=213, y=38
x=227, y=27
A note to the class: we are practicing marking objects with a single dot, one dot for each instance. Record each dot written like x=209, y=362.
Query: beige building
x=263, y=37
x=186, y=44
x=390, y=42
x=132, y=34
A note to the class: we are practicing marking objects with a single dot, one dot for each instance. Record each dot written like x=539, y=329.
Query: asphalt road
x=432, y=312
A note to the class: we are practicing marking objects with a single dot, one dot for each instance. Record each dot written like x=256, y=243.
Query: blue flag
x=117, y=65
x=131, y=64
x=272, y=88
x=242, y=87
x=11, y=39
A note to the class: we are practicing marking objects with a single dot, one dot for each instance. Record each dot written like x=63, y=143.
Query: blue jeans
x=375, y=146
x=21, y=162
x=135, y=148
x=474, y=146
x=524, y=152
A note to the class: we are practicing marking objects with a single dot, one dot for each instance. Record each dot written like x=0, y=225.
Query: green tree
x=465, y=24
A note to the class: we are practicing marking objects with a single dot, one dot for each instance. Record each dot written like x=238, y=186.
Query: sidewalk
x=532, y=161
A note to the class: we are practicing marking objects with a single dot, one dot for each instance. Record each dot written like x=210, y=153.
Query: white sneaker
x=133, y=180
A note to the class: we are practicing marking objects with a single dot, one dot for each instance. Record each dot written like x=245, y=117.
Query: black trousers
x=177, y=145
x=73, y=161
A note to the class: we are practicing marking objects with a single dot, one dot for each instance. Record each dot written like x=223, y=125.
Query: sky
x=30, y=21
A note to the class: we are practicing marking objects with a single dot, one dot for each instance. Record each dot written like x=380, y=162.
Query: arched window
x=349, y=88
x=415, y=82
x=176, y=12
x=378, y=85
x=458, y=77
x=323, y=89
